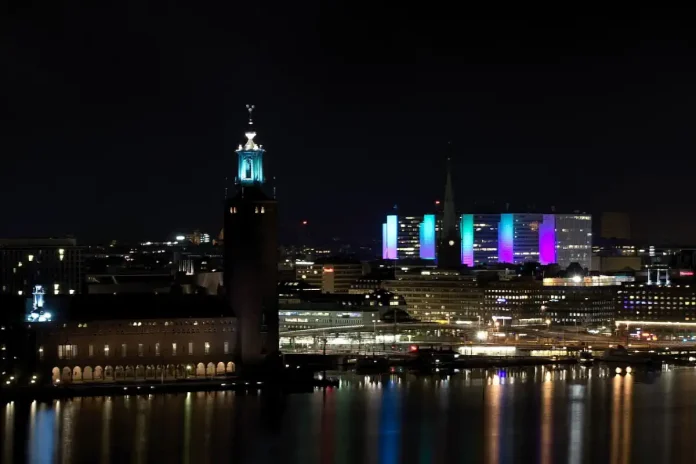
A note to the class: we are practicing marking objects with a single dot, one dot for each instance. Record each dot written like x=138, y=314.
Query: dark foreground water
x=537, y=415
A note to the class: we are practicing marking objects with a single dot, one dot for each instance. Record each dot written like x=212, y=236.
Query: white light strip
x=664, y=323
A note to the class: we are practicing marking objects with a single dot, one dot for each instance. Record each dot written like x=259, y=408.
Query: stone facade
x=142, y=349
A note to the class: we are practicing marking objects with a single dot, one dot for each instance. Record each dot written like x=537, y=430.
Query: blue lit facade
x=547, y=240
x=427, y=237
x=466, y=228
x=389, y=237
x=506, y=238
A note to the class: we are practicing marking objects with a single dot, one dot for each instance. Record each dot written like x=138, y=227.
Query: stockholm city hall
x=250, y=254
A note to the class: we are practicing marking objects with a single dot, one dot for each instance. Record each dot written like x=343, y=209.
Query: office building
x=483, y=250
x=656, y=303
x=409, y=237
x=483, y=239
x=332, y=274
x=54, y=264
x=437, y=294
x=555, y=301
x=574, y=239
x=581, y=307
x=251, y=256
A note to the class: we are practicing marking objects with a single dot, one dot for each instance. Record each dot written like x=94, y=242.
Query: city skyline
x=136, y=140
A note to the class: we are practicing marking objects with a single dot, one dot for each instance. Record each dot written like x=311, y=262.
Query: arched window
x=263, y=210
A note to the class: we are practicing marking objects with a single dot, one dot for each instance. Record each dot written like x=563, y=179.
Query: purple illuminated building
x=547, y=240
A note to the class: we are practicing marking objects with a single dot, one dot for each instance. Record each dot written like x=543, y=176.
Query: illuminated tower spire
x=250, y=157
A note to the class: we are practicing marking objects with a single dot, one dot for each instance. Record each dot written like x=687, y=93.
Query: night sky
x=121, y=123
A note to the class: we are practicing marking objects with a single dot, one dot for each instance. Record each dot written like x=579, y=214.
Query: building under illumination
x=493, y=238
x=406, y=237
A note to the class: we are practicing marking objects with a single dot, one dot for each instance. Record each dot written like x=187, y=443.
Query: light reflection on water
x=545, y=415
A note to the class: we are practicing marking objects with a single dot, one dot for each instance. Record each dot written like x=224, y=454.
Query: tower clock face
x=451, y=242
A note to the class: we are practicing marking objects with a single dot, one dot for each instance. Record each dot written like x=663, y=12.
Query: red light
x=413, y=348
x=304, y=223
x=437, y=202
x=328, y=269
x=686, y=273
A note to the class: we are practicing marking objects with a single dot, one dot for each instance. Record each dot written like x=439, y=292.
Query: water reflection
x=106, y=405
x=492, y=398
x=8, y=432
x=546, y=445
x=546, y=415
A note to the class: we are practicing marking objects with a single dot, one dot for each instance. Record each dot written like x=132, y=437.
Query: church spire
x=449, y=220
x=449, y=244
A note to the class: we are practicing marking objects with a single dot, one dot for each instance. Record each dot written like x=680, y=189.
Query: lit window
x=190, y=348
x=123, y=350
x=67, y=351
x=140, y=349
x=226, y=347
x=207, y=348
x=157, y=353
x=263, y=210
x=106, y=351
x=91, y=350
x=173, y=349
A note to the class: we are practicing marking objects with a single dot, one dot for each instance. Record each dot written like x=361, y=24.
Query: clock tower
x=251, y=261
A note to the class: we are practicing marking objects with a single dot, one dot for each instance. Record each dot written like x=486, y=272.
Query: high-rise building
x=483, y=248
x=251, y=244
x=54, y=264
x=528, y=237
x=574, y=239
x=492, y=238
x=409, y=237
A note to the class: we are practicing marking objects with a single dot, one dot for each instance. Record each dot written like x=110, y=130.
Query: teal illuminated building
x=427, y=237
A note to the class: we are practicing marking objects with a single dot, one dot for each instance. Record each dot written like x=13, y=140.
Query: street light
x=482, y=335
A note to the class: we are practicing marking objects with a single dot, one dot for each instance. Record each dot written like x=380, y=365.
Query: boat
x=585, y=357
x=621, y=355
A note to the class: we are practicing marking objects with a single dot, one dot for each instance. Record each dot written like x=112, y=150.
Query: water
x=537, y=415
